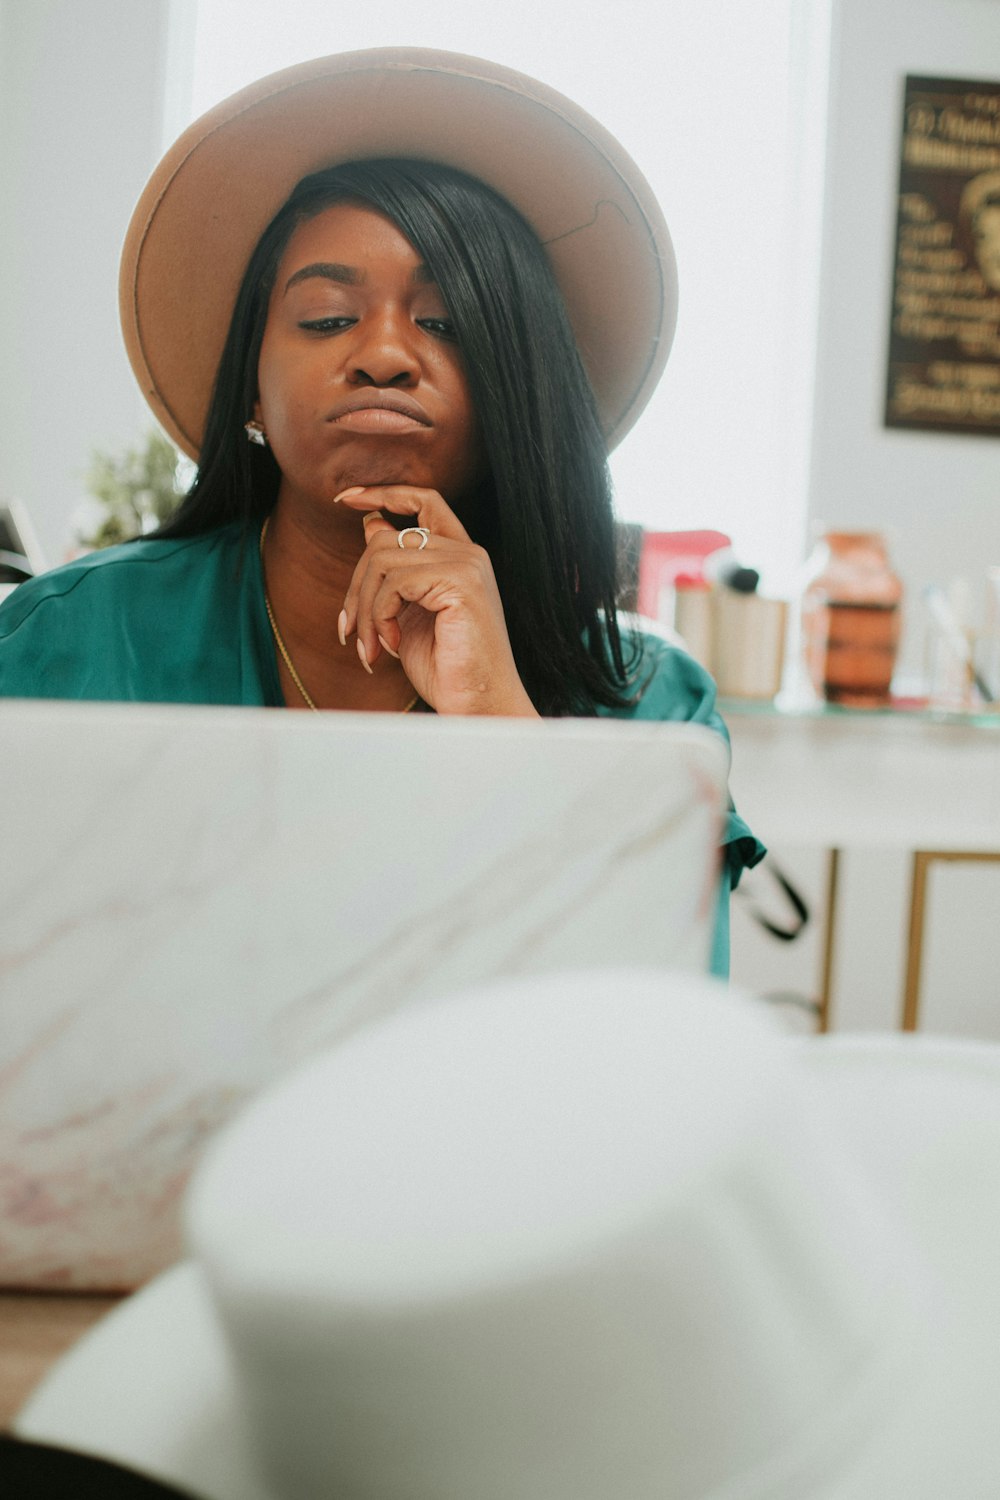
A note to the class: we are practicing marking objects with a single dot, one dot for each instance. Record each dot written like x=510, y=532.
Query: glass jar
x=851, y=619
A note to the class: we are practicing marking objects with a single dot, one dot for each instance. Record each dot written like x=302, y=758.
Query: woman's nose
x=383, y=351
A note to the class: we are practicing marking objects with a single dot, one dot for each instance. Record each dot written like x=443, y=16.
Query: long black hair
x=548, y=519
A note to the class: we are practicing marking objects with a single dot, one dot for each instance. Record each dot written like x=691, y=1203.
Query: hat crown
x=556, y=1239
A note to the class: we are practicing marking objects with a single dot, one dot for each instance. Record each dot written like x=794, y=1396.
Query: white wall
x=938, y=495
x=81, y=104
x=83, y=116
x=704, y=96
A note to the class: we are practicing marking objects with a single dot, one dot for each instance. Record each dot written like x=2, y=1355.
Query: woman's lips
x=378, y=419
x=379, y=411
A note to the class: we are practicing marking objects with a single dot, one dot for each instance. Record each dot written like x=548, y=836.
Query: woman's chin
x=378, y=476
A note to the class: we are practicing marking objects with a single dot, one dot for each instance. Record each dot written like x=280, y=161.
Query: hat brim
x=215, y=191
x=151, y=1385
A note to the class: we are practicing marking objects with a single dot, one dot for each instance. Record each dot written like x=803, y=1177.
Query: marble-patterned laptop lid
x=193, y=900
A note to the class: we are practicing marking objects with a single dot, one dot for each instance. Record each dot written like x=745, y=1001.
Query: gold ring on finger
x=417, y=531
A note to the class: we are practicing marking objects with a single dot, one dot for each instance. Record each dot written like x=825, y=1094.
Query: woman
x=360, y=292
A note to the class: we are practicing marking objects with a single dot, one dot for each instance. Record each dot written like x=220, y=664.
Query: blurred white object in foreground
x=569, y=1237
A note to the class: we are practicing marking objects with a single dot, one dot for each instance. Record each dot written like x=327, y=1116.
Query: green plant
x=134, y=492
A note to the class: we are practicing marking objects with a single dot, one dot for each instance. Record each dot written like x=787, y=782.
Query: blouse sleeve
x=670, y=685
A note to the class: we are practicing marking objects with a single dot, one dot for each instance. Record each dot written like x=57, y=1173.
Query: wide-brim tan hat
x=218, y=187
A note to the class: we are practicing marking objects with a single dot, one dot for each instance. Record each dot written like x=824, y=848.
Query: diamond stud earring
x=255, y=433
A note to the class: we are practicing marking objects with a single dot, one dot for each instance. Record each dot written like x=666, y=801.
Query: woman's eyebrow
x=346, y=275
x=331, y=270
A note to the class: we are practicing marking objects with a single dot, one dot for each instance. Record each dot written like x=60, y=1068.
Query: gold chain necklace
x=280, y=643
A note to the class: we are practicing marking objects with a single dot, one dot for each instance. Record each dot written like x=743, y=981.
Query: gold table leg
x=922, y=861
x=829, y=937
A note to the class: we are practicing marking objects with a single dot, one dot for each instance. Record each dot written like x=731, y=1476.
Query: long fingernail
x=386, y=647
x=364, y=657
x=357, y=489
x=342, y=627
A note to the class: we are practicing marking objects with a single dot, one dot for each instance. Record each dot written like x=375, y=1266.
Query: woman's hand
x=436, y=607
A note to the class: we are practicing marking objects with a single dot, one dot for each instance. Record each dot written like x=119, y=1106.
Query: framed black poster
x=944, y=341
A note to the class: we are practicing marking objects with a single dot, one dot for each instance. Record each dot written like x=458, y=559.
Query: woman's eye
x=326, y=325
x=442, y=328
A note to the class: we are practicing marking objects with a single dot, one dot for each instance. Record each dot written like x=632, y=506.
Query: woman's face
x=360, y=379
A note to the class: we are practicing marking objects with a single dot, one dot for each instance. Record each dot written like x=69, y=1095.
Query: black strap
x=785, y=933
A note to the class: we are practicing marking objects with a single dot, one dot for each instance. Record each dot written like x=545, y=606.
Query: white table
x=923, y=782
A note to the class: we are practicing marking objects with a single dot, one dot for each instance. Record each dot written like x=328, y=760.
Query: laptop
x=193, y=900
